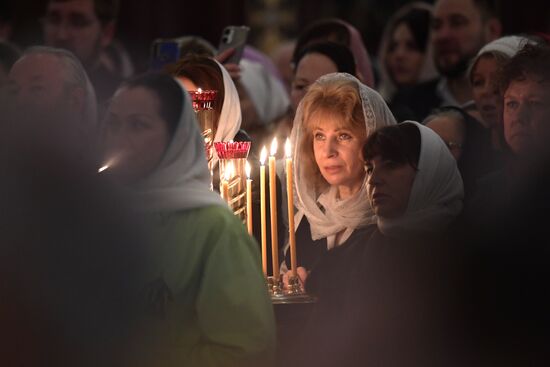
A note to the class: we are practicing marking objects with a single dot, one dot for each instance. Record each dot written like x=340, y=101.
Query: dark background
x=141, y=21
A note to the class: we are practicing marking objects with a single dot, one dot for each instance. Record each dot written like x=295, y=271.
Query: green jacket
x=207, y=301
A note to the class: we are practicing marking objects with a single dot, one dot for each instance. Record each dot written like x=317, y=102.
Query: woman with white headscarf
x=206, y=73
x=331, y=125
x=206, y=297
x=382, y=297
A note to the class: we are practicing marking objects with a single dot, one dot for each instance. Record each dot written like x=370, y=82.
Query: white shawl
x=230, y=116
x=436, y=194
x=335, y=215
x=181, y=181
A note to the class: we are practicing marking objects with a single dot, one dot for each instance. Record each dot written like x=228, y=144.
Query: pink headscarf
x=362, y=59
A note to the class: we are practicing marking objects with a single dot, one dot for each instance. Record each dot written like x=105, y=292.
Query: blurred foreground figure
x=70, y=253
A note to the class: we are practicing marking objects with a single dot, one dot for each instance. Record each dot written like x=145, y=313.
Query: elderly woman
x=206, y=297
x=331, y=125
x=381, y=293
x=525, y=115
x=483, y=78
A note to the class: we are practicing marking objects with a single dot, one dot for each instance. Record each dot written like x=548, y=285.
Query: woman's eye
x=139, y=125
x=343, y=137
x=36, y=88
x=512, y=105
x=478, y=82
x=319, y=136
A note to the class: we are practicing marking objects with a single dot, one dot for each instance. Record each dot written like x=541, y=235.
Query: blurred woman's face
x=485, y=90
x=404, y=59
x=310, y=68
x=389, y=186
x=337, y=153
x=136, y=136
x=452, y=131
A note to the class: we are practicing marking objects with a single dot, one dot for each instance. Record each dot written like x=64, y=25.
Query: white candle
x=273, y=210
x=248, y=199
x=290, y=204
x=263, y=156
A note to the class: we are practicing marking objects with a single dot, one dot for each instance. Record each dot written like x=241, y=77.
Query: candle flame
x=229, y=171
x=199, y=90
x=288, y=148
x=247, y=169
x=103, y=168
x=274, y=147
x=263, y=156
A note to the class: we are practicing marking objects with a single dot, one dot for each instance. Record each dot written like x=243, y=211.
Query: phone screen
x=164, y=53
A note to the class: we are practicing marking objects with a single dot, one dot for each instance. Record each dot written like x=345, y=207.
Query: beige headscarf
x=326, y=214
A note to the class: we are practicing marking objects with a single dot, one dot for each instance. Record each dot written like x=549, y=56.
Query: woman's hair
x=8, y=55
x=397, y=143
x=335, y=98
x=168, y=91
x=339, y=54
x=417, y=21
x=447, y=111
x=322, y=30
x=500, y=59
x=204, y=72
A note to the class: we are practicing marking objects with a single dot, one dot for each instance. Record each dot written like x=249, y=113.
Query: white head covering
x=75, y=76
x=436, y=194
x=507, y=46
x=428, y=72
x=181, y=181
x=266, y=92
x=336, y=215
x=230, y=116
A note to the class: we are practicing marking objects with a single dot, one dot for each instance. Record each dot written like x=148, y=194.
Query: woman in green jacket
x=205, y=296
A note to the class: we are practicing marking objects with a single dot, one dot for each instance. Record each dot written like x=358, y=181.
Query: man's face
x=458, y=33
x=527, y=115
x=73, y=25
x=37, y=81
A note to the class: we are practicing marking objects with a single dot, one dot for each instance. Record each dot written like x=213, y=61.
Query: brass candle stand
x=232, y=168
x=203, y=105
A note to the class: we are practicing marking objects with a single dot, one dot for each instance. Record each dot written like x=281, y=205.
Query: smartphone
x=234, y=37
x=164, y=52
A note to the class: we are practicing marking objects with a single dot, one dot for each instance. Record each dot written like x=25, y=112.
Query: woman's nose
x=331, y=148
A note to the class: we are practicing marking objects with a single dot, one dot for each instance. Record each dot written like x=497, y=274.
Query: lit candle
x=263, y=156
x=248, y=198
x=227, y=174
x=273, y=209
x=290, y=204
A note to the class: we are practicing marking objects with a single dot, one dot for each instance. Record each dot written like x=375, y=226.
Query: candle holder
x=232, y=168
x=203, y=105
x=275, y=287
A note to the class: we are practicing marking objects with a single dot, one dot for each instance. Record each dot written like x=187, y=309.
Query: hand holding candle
x=248, y=199
x=273, y=210
x=263, y=156
x=290, y=204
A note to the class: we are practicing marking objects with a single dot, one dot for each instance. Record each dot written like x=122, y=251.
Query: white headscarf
x=428, y=72
x=266, y=92
x=436, y=194
x=336, y=215
x=507, y=46
x=230, y=116
x=181, y=181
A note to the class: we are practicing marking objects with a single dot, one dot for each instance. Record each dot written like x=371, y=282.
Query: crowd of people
x=420, y=195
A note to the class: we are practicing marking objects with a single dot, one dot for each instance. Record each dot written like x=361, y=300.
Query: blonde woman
x=331, y=125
